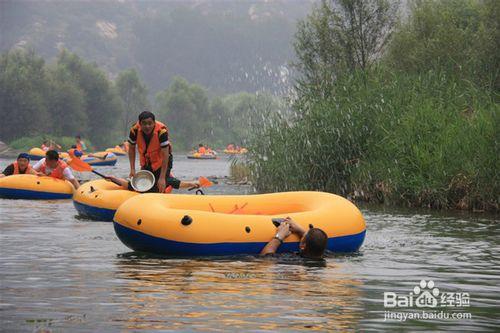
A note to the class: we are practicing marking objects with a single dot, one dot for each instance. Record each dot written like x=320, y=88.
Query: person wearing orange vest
x=74, y=152
x=19, y=167
x=155, y=151
x=80, y=145
x=201, y=149
x=52, y=166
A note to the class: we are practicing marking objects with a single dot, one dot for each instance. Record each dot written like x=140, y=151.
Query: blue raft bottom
x=94, y=213
x=139, y=241
x=11, y=193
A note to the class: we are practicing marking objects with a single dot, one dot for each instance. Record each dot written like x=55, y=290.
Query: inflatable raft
x=185, y=225
x=117, y=151
x=35, y=187
x=99, y=199
x=235, y=152
x=198, y=156
x=110, y=159
x=37, y=154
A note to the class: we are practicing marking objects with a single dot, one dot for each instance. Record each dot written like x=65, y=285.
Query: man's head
x=51, y=158
x=23, y=160
x=78, y=138
x=200, y=145
x=147, y=122
x=313, y=244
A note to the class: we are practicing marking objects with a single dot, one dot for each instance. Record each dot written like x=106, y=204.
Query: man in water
x=20, y=166
x=52, y=166
x=312, y=242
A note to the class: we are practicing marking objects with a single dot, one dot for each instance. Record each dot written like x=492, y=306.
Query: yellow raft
x=198, y=156
x=37, y=154
x=99, y=199
x=35, y=187
x=236, y=152
x=223, y=225
x=109, y=159
x=117, y=151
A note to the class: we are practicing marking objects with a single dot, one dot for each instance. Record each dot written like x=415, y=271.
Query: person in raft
x=155, y=152
x=80, y=144
x=312, y=242
x=201, y=149
x=73, y=152
x=20, y=167
x=52, y=166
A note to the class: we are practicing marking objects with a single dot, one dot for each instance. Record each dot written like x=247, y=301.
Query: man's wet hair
x=78, y=137
x=146, y=115
x=316, y=241
x=52, y=155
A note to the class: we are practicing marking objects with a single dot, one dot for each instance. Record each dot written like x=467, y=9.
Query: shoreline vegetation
x=415, y=125
x=396, y=112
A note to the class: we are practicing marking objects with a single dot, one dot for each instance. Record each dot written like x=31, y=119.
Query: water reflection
x=296, y=296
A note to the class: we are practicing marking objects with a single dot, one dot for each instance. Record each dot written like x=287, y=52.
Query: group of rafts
x=102, y=158
x=193, y=225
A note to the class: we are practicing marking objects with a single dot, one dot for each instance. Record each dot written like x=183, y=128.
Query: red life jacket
x=151, y=154
x=57, y=172
x=17, y=171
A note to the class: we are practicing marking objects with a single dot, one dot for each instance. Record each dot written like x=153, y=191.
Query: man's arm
x=296, y=228
x=274, y=244
x=9, y=170
x=131, y=159
x=68, y=175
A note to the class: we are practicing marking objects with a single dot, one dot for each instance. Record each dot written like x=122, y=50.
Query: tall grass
x=426, y=140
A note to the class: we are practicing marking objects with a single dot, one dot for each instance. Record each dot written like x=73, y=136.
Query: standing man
x=155, y=151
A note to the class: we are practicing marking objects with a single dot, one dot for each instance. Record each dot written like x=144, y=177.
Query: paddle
x=204, y=182
x=79, y=165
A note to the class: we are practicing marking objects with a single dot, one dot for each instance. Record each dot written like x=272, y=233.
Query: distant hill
x=227, y=46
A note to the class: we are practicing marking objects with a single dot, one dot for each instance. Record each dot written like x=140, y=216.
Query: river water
x=60, y=273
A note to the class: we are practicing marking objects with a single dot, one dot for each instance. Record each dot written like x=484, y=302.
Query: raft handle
x=199, y=192
x=186, y=220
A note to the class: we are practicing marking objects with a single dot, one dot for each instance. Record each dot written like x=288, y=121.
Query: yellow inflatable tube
x=117, y=151
x=220, y=225
x=38, y=154
x=35, y=187
x=99, y=199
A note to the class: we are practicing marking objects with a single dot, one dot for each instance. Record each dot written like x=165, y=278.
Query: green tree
x=66, y=101
x=103, y=105
x=458, y=36
x=23, y=91
x=133, y=94
x=185, y=109
x=338, y=37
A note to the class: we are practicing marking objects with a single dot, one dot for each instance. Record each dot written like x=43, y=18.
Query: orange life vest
x=151, y=154
x=71, y=152
x=17, y=171
x=57, y=172
x=202, y=150
x=79, y=146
